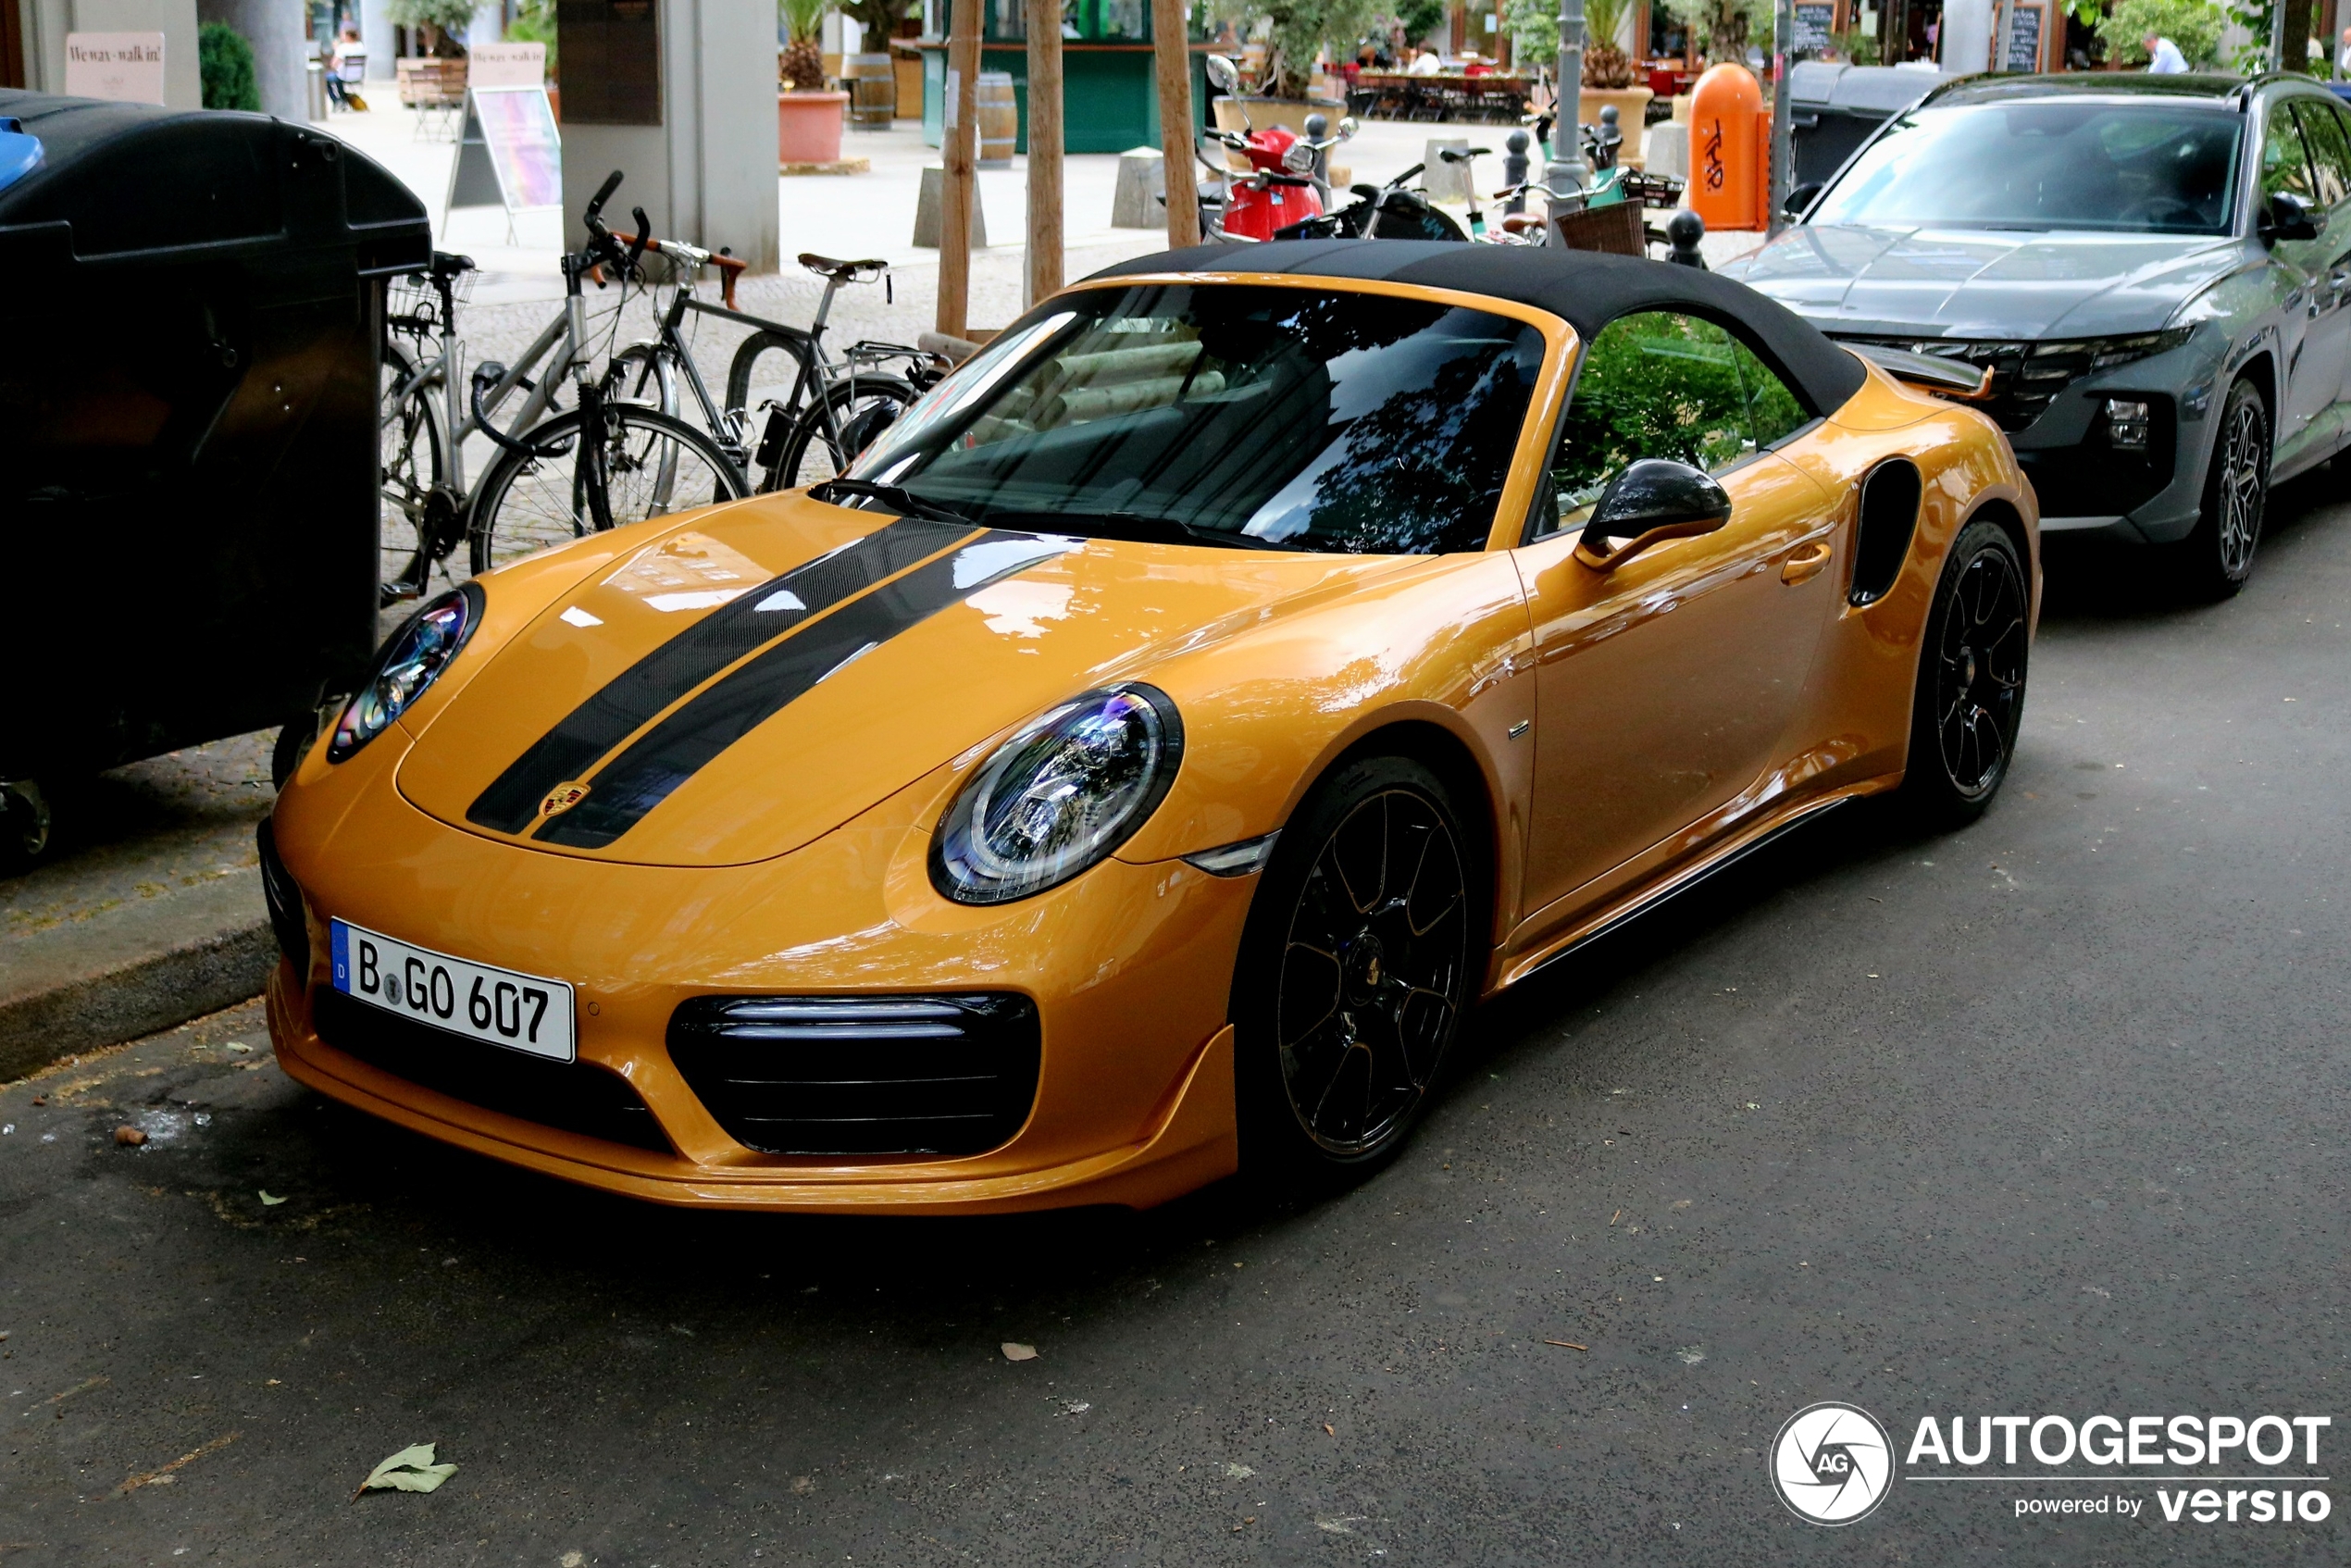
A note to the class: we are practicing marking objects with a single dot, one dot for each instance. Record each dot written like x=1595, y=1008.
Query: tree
x=224, y=61
x=1724, y=25
x=804, y=55
x=434, y=20
x=2195, y=25
x=879, y=19
x=535, y=23
x=1419, y=18
x=1296, y=30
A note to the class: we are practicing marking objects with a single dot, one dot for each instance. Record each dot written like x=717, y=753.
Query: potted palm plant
x=1610, y=72
x=808, y=118
x=1295, y=32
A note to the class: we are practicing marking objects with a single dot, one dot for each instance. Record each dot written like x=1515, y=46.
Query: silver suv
x=2144, y=279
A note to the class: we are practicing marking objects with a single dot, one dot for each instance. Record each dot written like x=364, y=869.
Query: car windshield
x=2132, y=169
x=1290, y=417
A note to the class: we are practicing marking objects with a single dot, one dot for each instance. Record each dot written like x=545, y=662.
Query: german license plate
x=498, y=1007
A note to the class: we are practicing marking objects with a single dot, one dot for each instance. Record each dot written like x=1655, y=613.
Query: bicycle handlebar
x=593, y=215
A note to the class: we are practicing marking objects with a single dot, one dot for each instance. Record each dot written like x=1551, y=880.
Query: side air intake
x=1890, y=516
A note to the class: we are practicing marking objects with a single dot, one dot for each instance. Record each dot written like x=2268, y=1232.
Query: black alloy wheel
x=1971, y=670
x=2214, y=561
x=1356, y=970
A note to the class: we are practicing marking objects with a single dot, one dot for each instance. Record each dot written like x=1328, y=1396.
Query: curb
x=112, y=997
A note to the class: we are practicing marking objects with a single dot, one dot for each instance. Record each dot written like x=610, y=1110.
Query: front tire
x=2213, y=561
x=1355, y=970
x=533, y=499
x=1970, y=683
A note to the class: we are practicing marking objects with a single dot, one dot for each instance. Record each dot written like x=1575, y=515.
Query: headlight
x=1070, y=786
x=408, y=663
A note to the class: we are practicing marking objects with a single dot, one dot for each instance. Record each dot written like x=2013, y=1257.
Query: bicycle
x=642, y=461
x=836, y=407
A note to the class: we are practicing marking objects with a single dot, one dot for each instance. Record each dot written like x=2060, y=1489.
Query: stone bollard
x=1142, y=180
x=1514, y=161
x=1668, y=149
x=1682, y=231
x=928, y=204
x=1445, y=182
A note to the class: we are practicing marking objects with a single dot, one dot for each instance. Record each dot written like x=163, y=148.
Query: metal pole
x=2277, y=34
x=2003, y=19
x=1565, y=173
x=1783, y=41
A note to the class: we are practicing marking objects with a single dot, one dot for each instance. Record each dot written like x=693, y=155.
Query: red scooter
x=1285, y=184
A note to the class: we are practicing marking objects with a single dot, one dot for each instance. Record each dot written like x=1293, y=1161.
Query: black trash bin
x=1832, y=108
x=189, y=352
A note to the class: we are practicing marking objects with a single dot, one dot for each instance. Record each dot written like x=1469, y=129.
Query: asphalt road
x=2042, y=1117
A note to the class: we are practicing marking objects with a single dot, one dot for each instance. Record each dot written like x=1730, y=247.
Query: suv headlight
x=1069, y=787
x=410, y=661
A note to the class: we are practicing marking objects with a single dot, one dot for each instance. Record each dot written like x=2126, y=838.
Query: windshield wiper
x=897, y=498
x=1143, y=528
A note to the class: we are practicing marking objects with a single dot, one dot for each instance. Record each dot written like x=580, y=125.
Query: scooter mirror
x=1347, y=128
x=1225, y=76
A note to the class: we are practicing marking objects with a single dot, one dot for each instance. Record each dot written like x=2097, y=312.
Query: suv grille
x=2027, y=376
x=573, y=1097
x=861, y=1074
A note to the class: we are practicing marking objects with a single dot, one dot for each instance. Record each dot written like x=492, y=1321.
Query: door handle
x=1805, y=564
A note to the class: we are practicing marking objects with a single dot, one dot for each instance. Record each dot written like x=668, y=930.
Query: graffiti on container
x=1715, y=173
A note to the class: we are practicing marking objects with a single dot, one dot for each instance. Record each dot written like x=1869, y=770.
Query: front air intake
x=861, y=1076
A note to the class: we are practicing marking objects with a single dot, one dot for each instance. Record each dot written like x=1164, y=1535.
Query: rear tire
x=1355, y=970
x=860, y=411
x=1970, y=683
x=2213, y=563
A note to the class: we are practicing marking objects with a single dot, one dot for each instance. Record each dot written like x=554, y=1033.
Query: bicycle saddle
x=844, y=271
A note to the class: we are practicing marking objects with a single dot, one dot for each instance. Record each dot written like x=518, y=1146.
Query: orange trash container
x=1727, y=185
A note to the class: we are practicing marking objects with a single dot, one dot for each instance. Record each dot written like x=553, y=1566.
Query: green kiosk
x=1109, y=95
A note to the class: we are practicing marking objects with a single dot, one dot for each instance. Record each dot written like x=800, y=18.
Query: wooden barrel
x=999, y=119
x=873, y=91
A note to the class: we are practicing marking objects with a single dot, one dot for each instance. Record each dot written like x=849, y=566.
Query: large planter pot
x=1631, y=104
x=808, y=126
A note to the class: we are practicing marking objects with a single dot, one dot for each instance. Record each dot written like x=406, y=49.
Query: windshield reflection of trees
x=1331, y=421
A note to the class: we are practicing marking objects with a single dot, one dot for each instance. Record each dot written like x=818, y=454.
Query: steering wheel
x=2164, y=212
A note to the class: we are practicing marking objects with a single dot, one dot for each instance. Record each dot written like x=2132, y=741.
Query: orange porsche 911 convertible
x=1136, y=766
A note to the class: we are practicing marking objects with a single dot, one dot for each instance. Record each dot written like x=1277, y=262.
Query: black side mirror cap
x=2287, y=217
x=1650, y=502
x=1800, y=199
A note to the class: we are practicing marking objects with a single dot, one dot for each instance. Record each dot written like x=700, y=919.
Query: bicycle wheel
x=410, y=465
x=537, y=497
x=643, y=373
x=861, y=409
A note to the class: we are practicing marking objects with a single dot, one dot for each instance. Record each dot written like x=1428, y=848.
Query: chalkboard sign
x=509, y=155
x=1815, y=26
x=2024, y=37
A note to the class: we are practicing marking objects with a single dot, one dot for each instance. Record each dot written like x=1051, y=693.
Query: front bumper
x=1128, y=967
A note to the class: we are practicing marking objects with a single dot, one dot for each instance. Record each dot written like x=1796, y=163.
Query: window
x=2330, y=149
x=2285, y=164
x=1309, y=418
x=1659, y=384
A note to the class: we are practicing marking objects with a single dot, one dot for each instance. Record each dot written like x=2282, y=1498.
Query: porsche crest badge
x=563, y=797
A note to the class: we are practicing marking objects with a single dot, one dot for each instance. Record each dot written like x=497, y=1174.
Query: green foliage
x=1296, y=30
x=878, y=17
x=1726, y=25
x=1859, y=46
x=2193, y=25
x=1663, y=385
x=1533, y=27
x=1419, y=18
x=442, y=16
x=803, y=20
x=535, y=23
x=224, y=61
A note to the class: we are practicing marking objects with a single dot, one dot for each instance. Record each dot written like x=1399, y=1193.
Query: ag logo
x=561, y=798
x=1832, y=1462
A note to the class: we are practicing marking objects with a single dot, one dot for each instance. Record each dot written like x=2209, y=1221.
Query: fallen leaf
x=269, y=1202
x=1018, y=1352
x=1329, y=1428
x=129, y=1137
x=410, y=1470
x=238, y=1045
x=1569, y=1345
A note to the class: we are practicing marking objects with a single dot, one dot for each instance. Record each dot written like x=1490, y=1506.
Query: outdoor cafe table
x=1394, y=95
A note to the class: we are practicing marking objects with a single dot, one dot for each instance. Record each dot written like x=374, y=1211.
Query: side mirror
x=1347, y=128
x=1223, y=75
x=1650, y=502
x=1801, y=198
x=2287, y=217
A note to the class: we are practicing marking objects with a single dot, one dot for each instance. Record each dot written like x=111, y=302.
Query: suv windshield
x=1301, y=418
x=2127, y=167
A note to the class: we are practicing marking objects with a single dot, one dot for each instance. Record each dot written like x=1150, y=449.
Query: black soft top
x=1587, y=289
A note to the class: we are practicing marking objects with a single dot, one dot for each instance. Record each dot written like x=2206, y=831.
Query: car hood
x=750, y=679
x=1985, y=283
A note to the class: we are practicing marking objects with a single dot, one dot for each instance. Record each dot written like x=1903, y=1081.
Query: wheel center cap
x=1967, y=668
x=1365, y=965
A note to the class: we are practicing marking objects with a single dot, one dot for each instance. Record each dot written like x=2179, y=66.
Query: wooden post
x=1171, y=52
x=1044, y=24
x=957, y=152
